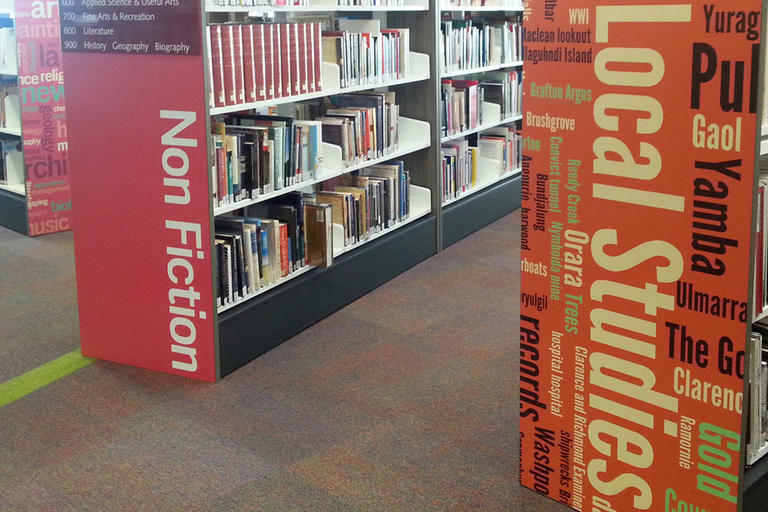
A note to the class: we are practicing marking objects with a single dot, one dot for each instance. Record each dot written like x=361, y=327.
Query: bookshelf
x=228, y=335
x=174, y=243
x=34, y=173
x=496, y=190
x=755, y=476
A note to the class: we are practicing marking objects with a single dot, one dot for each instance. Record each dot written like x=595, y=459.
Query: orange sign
x=638, y=179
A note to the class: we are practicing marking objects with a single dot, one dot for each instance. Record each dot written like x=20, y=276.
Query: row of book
x=501, y=4
x=366, y=53
x=757, y=407
x=461, y=162
x=10, y=103
x=461, y=101
x=761, y=241
x=287, y=3
x=11, y=162
x=269, y=242
x=370, y=200
x=259, y=154
x=253, y=62
x=467, y=44
x=8, y=61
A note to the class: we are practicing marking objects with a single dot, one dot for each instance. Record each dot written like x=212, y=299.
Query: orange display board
x=638, y=180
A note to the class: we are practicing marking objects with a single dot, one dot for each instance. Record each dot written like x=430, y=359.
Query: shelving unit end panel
x=143, y=248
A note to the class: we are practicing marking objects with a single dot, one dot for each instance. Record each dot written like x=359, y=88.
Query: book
x=319, y=233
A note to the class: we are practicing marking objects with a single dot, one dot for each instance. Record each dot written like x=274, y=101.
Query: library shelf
x=764, y=139
x=477, y=210
x=484, y=181
x=314, y=8
x=16, y=132
x=256, y=326
x=14, y=188
x=279, y=282
x=483, y=69
x=421, y=206
x=477, y=129
x=414, y=136
x=480, y=8
x=332, y=86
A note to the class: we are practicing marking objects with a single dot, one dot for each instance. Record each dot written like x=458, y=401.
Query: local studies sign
x=637, y=193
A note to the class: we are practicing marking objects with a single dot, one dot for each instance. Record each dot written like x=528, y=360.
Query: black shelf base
x=257, y=326
x=13, y=212
x=467, y=215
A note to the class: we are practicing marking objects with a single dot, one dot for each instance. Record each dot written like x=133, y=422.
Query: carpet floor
x=405, y=400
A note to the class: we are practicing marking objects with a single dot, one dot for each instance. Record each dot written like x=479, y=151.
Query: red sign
x=142, y=210
x=43, y=117
x=636, y=222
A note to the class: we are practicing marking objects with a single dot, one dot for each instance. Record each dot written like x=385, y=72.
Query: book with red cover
x=284, y=263
x=259, y=66
x=301, y=46
x=237, y=45
x=228, y=56
x=317, y=58
x=269, y=61
x=309, y=36
x=295, y=58
x=217, y=66
x=249, y=63
x=285, y=59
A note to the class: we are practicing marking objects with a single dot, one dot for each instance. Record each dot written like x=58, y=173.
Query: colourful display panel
x=636, y=225
x=43, y=116
x=142, y=216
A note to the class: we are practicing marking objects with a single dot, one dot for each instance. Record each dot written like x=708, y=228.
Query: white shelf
x=315, y=8
x=15, y=188
x=484, y=69
x=482, y=184
x=480, y=8
x=480, y=128
x=413, y=136
x=8, y=72
x=761, y=316
x=760, y=453
x=11, y=131
x=240, y=300
x=420, y=206
x=419, y=64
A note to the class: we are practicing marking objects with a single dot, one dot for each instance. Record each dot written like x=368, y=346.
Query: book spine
x=259, y=66
x=228, y=55
x=285, y=59
x=284, y=259
x=237, y=41
x=217, y=66
x=249, y=63
x=318, y=55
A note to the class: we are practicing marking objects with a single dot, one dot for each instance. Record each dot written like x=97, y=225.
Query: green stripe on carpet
x=41, y=376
